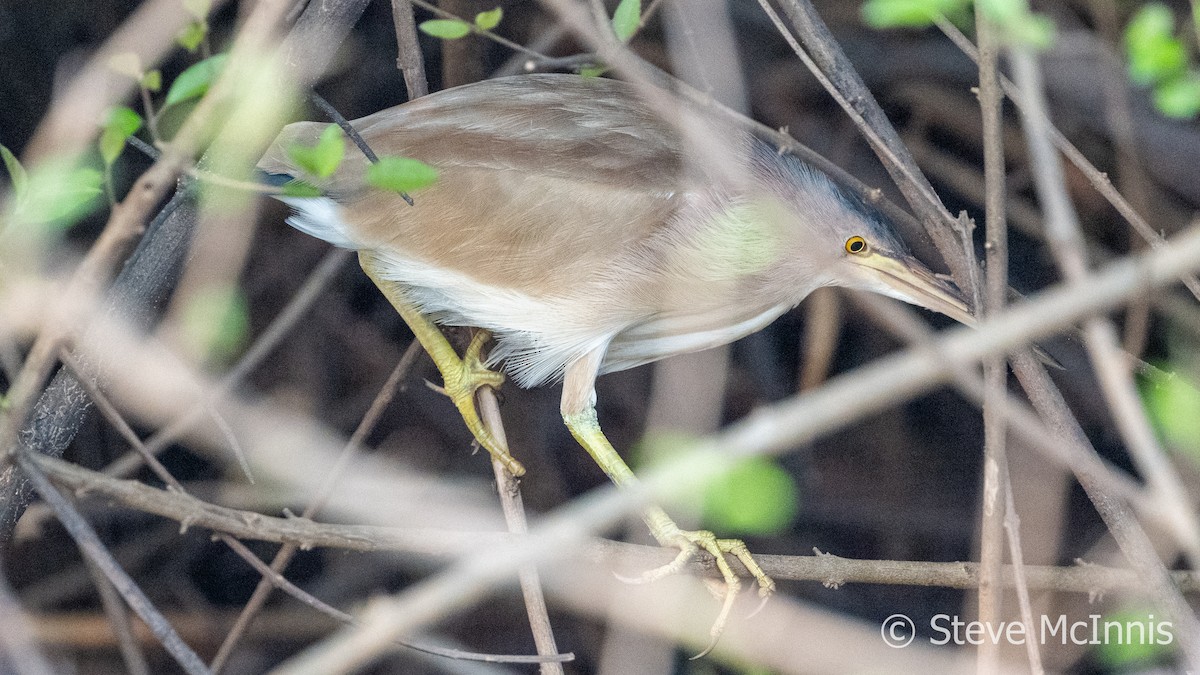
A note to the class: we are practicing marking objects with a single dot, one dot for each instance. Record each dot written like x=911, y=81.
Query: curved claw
x=689, y=542
x=461, y=383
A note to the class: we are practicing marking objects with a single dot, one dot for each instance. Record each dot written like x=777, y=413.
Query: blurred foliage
x=1174, y=407
x=1144, y=640
x=322, y=159
x=215, y=324
x=122, y=123
x=1158, y=56
x=1159, y=59
x=57, y=192
x=626, y=18
x=195, y=81
x=195, y=34
x=757, y=497
x=1013, y=17
x=754, y=496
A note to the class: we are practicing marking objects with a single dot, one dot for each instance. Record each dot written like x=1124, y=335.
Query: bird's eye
x=856, y=245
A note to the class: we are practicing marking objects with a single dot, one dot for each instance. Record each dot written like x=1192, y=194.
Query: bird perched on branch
x=569, y=221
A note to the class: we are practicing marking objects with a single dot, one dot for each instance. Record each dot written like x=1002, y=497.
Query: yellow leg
x=586, y=429
x=461, y=377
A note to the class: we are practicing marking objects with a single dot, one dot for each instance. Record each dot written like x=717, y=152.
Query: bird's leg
x=461, y=377
x=579, y=413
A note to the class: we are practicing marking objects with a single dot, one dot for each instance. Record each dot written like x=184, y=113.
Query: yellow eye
x=856, y=245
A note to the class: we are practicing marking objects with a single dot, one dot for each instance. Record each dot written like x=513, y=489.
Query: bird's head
x=845, y=242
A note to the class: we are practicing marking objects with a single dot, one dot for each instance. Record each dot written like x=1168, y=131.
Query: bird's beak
x=904, y=277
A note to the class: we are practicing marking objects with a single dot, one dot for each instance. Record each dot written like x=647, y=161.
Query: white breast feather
x=534, y=350
x=320, y=217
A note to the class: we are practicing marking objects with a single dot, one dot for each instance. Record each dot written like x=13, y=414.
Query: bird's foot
x=689, y=543
x=462, y=379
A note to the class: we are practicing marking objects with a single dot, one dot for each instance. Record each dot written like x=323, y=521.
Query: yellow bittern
x=569, y=223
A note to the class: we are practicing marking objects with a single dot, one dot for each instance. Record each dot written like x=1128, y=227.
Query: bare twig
x=995, y=369
x=68, y=126
x=271, y=337
x=1104, y=349
x=91, y=546
x=118, y=618
x=440, y=544
x=408, y=50
x=798, y=420
x=1012, y=527
x=284, y=556
x=509, y=489
x=830, y=65
x=18, y=648
x=1094, y=176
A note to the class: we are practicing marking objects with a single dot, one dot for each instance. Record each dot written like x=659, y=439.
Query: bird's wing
x=542, y=178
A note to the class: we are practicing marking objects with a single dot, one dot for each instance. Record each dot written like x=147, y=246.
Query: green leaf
x=1174, y=407
x=322, y=159
x=215, y=323
x=588, y=72
x=660, y=448
x=1016, y=23
x=60, y=192
x=152, y=80
x=1131, y=639
x=1153, y=22
x=192, y=35
x=907, y=13
x=489, y=19
x=195, y=81
x=626, y=18
x=1154, y=52
x=1179, y=97
x=121, y=124
x=112, y=142
x=198, y=8
x=299, y=188
x=16, y=173
x=446, y=29
x=401, y=174
x=755, y=497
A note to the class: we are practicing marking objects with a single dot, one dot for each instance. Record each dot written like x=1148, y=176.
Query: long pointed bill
x=905, y=278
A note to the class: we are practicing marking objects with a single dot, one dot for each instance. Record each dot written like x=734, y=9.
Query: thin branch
x=835, y=72
x=273, y=577
x=408, y=50
x=284, y=556
x=304, y=299
x=1097, y=178
x=118, y=619
x=1115, y=379
x=509, y=489
x=1012, y=527
x=844, y=399
x=91, y=546
x=441, y=544
x=995, y=369
x=18, y=646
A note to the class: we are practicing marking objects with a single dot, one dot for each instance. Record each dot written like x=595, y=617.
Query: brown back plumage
x=592, y=144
